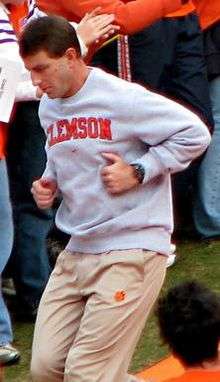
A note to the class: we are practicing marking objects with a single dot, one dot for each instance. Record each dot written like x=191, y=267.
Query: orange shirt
x=197, y=376
x=17, y=14
x=132, y=16
x=209, y=12
x=184, y=10
x=3, y=138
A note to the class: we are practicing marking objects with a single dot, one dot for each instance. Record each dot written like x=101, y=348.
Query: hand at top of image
x=95, y=27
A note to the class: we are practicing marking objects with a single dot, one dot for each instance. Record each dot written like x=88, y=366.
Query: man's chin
x=52, y=95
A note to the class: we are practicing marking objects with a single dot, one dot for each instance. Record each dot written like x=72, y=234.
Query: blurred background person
x=189, y=322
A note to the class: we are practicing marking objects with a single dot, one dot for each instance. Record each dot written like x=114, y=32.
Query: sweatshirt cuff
x=152, y=167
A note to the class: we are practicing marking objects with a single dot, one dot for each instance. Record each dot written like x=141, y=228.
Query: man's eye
x=40, y=69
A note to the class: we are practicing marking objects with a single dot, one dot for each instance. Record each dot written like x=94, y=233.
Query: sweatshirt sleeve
x=131, y=16
x=173, y=135
x=49, y=172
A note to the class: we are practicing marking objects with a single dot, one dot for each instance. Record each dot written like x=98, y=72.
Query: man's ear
x=71, y=54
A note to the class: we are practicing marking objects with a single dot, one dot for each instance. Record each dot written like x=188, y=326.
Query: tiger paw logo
x=120, y=295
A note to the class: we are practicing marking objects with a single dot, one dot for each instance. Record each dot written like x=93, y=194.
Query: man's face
x=54, y=76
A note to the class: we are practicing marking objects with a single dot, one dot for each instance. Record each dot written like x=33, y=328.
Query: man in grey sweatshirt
x=111, y=148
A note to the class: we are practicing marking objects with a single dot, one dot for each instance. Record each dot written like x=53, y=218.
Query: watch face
x=139, y=172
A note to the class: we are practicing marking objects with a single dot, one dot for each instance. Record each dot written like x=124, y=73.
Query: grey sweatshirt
x=111, y=115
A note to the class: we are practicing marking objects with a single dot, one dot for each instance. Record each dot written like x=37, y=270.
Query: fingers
x=106, y=32
x=113, y=158
x=94, y=27
x=93, y=13
x=97, y=21
x=44, y=192
x=44, y=203
x=103, y=20
x=118, y=175
x=49, y=184
x=111, y=186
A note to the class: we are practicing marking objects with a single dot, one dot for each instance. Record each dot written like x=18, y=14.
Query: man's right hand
x=95, y=27
x=44, y=192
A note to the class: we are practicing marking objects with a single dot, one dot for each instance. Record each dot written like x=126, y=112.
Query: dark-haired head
x=51, y=52
x=189, y=321
x=53, y=35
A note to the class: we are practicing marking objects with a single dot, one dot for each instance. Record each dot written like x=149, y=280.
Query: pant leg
x=121, y=293
x=207, y=201
x=6, y=239
x=188, y=82
x=152, y=54
x=91, y=315
x=5, y=322
x=58, y=320
x=29, y=260
x=106, y=58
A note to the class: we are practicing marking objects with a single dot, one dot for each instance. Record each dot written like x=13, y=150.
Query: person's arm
x=173, y=135
x=45, y=189
x=93, y=26
x=9, y=48
x=44, y=192
x=131, y=16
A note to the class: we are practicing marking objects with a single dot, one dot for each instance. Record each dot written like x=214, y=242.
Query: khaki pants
x=92, y=313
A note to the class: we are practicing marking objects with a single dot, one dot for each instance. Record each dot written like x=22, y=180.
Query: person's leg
x=188, y=84
x=29, y=260
x=207, y=202
x=152, y=53
x=122, y=287
x=92, y=313
x=106, y=58
x=58, y=320
x=8, y=354
x=6, y=239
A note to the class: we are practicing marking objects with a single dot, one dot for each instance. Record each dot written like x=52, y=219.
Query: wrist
x=138, y=171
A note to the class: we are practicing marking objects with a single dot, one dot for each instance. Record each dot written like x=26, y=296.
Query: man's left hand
x=118, y=176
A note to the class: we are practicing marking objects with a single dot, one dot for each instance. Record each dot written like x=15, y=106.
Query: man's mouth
x=45, y=89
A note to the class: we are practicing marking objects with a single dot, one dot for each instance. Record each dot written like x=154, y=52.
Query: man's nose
x=36, y=79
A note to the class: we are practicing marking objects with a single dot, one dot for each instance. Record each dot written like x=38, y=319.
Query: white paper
x=10, y=74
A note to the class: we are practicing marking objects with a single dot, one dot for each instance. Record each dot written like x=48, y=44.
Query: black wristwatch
x=139, y=171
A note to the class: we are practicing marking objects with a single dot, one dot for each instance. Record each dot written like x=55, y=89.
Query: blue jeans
x=6, y=239
x=26, y=158
x=207, y=203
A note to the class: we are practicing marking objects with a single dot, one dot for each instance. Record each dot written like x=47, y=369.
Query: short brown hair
x=53, y=34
